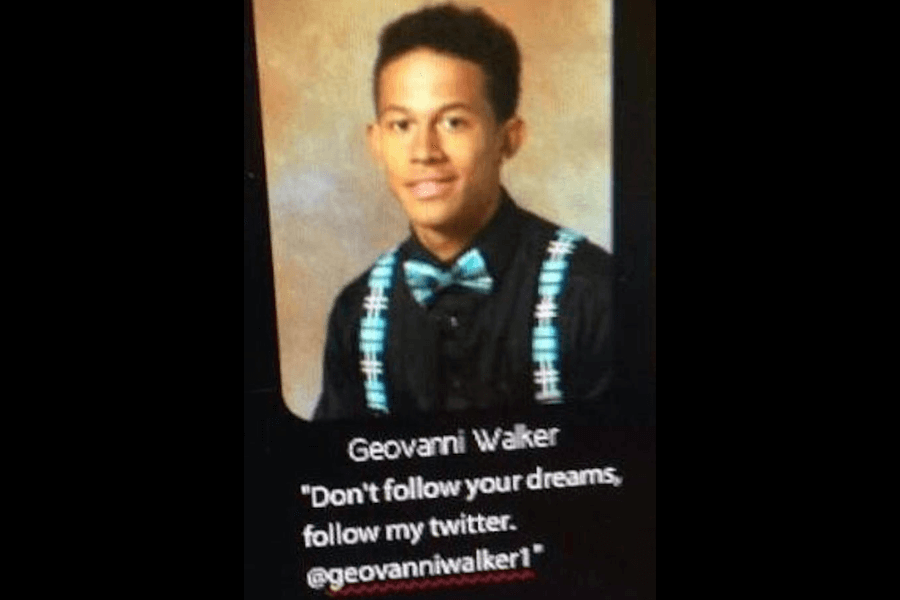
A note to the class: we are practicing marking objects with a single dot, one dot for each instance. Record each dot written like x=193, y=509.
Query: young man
x=485, y=304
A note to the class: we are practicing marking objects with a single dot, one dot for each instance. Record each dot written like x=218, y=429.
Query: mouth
x=431, y=187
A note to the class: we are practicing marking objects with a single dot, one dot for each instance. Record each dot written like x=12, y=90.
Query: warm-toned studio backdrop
x=331, y=211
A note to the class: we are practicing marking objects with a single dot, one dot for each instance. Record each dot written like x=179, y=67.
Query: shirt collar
x=497, y=241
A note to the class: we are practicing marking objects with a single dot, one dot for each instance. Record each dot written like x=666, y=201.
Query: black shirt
x=471, y=350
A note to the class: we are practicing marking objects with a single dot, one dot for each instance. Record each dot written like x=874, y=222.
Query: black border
x=266, y=416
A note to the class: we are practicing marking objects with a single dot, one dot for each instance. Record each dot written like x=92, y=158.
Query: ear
x=373, y=137
x=514, y=133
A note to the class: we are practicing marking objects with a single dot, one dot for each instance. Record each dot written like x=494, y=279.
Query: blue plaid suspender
x=545, y=335
x=373, y=331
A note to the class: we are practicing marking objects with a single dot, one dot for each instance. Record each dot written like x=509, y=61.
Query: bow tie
x=425, y=280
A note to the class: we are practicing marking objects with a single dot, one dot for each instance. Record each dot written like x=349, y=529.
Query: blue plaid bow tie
x=426, y=280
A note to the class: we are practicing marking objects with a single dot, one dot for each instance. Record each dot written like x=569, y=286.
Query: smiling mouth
x=430, y=188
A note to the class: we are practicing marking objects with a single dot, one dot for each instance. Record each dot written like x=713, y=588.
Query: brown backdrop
x=331, y=211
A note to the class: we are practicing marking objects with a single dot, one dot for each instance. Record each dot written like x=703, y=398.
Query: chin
x=435, y=213
x=432, y=221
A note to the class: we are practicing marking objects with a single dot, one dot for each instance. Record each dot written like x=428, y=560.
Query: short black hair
x=470, y=34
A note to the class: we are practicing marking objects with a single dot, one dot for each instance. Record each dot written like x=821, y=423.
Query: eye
x=399, y=125
x=454, y=123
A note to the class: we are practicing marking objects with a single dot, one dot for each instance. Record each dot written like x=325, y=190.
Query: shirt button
x=456, y=383
x=454, y=322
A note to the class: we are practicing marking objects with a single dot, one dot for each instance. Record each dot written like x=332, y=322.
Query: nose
x=426, y=146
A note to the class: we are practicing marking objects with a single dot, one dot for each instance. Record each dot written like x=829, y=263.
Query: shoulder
x=351, y=296
x=590, y=279
x=591, y=263
x=587, y=262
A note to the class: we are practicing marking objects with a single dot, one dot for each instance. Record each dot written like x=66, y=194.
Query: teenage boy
x=485, y=304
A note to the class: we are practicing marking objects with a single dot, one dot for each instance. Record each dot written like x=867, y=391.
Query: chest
x=466, y=349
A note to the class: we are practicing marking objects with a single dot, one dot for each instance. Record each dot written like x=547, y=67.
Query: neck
x=447, y=243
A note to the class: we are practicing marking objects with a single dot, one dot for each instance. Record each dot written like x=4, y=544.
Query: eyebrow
x=445, y=108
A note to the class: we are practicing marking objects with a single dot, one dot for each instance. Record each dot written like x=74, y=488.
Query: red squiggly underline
x=431, y=583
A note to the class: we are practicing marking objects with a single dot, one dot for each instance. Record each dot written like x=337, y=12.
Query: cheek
x=468, y=155
x=482, y=165
x=394, y=160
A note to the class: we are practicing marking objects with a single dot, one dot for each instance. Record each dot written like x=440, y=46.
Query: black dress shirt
x=471, y=350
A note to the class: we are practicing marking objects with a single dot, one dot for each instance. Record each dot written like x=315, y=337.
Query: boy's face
x=439, y=142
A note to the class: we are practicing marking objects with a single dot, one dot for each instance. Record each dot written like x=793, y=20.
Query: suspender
x=373, y=331
x=545, y=335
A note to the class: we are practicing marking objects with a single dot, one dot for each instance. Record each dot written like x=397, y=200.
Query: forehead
x=422, y=80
